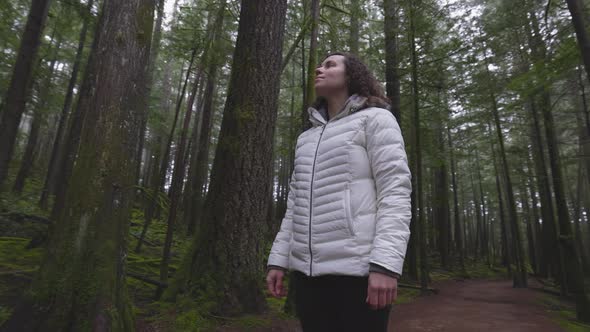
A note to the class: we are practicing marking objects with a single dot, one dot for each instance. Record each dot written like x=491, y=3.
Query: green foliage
x=26, y=202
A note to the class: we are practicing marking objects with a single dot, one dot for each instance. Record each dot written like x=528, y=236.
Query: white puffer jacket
x=349, y=198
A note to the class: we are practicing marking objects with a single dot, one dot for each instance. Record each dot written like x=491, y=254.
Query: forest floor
x=482, y=301
x=468, y=305
x=482, y=305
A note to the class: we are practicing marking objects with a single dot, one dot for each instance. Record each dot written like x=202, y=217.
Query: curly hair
x=360, y=81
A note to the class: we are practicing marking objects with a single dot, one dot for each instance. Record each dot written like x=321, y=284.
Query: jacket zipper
x=311, y=199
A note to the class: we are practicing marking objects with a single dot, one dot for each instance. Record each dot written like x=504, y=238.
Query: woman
x=346, y=228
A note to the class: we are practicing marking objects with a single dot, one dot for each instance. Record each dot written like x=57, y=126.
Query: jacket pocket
x=348, y=210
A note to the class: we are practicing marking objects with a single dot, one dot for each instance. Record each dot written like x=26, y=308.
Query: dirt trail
x=472, y=306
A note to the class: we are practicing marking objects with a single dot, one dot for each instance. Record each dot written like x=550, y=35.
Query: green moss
x=563, y=313
x=4, y=314
x=14, y=256
x=406, y=295
x=251, y=322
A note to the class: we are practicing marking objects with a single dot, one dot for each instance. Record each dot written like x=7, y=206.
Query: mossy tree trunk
x=227, y=255
x=81, y=282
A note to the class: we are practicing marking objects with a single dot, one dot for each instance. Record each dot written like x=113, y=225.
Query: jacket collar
x=318, y=117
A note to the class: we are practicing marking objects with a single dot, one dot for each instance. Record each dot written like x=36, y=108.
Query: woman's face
x=331, y=76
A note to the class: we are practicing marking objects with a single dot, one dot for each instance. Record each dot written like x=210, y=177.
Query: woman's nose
x=318, y=71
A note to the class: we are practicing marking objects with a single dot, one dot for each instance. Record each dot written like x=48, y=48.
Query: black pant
x=336, y=303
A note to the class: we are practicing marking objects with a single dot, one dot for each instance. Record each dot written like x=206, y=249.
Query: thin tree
x=418, y=213
x=520, y=277
x=13, y=105
x=176, y=186
x=50, y=177
x=355, y=26
x=576, y=9
x=391, y=56
x=459, y=247
x=28, y=158
x=200, y=162
x=312, y=62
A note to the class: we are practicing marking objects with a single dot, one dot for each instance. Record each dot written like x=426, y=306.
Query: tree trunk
x=391, y=57
x=13, y=105
x=577, y=12
x=418, y=197
x=506, y=253
x=154, y=52
x=478, y=252
x=201, y=162
x=458, y=232
x=228, y=250
x=355, y=12
x=537, y=233
x=81, y=283
x=51, y=175
x=28, y=158
x=312, y=62
x=485, y=240
x=440, y=199
x=573, y=270
x=577, y=207
x=176, y=186
x=160, y=180
x=538, y=51
x=526, y=213
x=583, y=118
x=520, y=277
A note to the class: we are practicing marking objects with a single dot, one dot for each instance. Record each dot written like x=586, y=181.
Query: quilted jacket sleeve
x=387, y=156
x=279, y=254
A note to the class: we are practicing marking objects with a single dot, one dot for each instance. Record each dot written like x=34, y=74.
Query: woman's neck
x=335, y=103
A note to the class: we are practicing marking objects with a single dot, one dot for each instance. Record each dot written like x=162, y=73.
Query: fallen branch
x=434, y=290
x=20, y=274
x=146, y=279
x=144, y=240
x=22, y=216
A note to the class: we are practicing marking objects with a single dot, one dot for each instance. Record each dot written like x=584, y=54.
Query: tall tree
x=176, y=185
x=38, y=117
x=576, y=9
x=418, y=211
x=312, y=61
x=50, y=177
x=13, y=105
x=154, y=52
x=520, y=277
x=459, y=247
x=355, y=26
x=227, y=251
x=391, y=56
x=81, y=284
x=200, y=162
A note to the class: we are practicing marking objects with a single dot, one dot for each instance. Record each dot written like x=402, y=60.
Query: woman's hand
x=382, y=290
x=274, y=283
